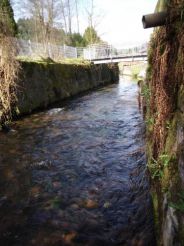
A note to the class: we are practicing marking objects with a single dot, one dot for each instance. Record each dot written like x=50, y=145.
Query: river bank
x=136, y=70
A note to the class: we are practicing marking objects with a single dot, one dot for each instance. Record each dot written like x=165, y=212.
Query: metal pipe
x=154, y=20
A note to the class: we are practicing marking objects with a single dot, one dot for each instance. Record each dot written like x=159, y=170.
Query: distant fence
x=56, y=52
x=27, y=48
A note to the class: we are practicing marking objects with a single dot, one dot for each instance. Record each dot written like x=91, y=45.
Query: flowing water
x=76, y=174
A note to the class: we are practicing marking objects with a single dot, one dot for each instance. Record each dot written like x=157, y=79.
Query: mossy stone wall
x=165, y=124
x=42, y=84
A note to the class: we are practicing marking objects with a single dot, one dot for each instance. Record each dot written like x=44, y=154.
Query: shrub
x=9, y=68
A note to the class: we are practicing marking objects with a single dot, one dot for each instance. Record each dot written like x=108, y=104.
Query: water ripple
x=76, y=174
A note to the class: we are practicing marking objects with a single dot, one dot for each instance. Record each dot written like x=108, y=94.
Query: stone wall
x=42, y=84
x=164, y=96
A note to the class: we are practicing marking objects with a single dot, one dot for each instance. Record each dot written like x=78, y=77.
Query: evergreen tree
x=76, y=40
x=29, y=31
x=26, y=28
x=6, y=14
x=90, y=36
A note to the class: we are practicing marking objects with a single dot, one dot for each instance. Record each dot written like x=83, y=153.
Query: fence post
x=89, y=53
x=49, y=50
x=64, y=48
x=30, y=48
x=111, y=53
x=75, y=52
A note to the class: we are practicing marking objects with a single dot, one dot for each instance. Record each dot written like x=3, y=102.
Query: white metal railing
x=27, y=48
x=56, y=52
x=96, y=52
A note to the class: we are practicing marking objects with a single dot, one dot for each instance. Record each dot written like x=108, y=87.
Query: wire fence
x=27, y=48
x=55, y=52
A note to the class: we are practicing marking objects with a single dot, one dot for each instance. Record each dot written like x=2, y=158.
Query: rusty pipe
x=154, y=20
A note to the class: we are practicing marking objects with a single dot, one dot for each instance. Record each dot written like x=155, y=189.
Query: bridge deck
x=115, y=59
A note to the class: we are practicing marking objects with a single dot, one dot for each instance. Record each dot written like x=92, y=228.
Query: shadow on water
x=76, y=175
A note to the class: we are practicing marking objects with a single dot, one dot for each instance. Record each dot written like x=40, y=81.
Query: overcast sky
x=122, y=20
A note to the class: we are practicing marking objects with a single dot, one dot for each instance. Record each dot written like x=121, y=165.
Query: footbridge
x=106, y=53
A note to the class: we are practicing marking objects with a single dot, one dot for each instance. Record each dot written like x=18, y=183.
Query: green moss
x=165, y=167
x=136, y=69
x=43, y=83
x=165, y=74
x=171, y=138
x=155, y=209
x=76, y=61
x=169, y=175
x=181, y=97
x=149, y=72
x=162, y=49
x=181, y=234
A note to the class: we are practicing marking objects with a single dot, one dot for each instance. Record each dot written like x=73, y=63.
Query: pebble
x=91, y=204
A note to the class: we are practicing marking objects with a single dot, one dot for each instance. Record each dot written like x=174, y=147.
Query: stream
x=76, y=174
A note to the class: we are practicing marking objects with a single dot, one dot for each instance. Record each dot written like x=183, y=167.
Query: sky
x=121, y=21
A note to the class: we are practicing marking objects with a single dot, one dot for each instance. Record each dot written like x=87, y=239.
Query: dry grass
x=166, y=62
x=9, y=68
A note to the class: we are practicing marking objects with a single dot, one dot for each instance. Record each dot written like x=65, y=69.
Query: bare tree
x=90, y=16
x=44, y=13
x=70, y=11
x=64, y=15
x=94, y=20
x=77, y=15
x=47, y=14
x=69, y=17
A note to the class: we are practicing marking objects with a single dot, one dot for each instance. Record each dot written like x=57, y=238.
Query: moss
x=169, y=176
x=167, y=161
x=44, y=83
x=155, y=200
x=171, y=138
x=181, y=98
x=181, y=234
x=48, y=60
x=165, y=111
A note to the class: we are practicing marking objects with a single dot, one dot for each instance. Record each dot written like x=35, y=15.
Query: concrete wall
x=43, y=84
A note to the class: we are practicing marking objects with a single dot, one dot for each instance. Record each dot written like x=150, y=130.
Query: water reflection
x=75, y=174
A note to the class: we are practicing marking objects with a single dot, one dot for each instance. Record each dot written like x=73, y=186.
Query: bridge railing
x=96, y=52
x=33, y=50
